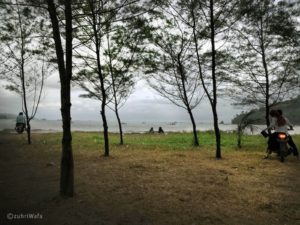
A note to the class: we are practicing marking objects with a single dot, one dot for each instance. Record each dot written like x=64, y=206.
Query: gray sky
x=143, y=105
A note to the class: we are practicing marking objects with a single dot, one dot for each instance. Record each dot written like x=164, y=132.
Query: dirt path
x=135, y=187
x=25, y=181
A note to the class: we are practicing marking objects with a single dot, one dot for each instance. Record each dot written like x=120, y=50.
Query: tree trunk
x=239, y=141
x=114, y=92
x=24, y=100
x=101, y=78
x=196, y=140
x=67, y=167
x=186, y=101
x=217, y=133
x=120, y=125
x=267, y=103
x=239, y=135
x=65, y=73
x=28, y=133
x=213, y=67
x=198, y=57
x=28, y=130
x=105, y=130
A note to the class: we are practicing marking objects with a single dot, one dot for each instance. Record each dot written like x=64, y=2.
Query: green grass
x=171, y=141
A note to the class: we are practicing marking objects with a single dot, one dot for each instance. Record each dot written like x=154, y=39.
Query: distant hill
x=291, y=109
x=7, y=116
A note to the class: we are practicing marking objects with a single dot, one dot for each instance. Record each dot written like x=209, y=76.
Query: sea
x=47, y=126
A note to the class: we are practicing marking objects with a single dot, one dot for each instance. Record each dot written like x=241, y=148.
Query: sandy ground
x=147, y=187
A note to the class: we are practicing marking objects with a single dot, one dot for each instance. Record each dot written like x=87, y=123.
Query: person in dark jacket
x=21, y=120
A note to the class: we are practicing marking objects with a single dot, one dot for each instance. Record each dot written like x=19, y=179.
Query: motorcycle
x=281, y=146
x=283, y=139
x=20, y=128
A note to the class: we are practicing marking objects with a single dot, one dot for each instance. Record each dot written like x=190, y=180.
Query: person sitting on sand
x=160, y=130
x=151, y=131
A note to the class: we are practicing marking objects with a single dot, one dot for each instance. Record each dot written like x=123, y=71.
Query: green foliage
x=267, y=55
x=168, y=59
x=21, y=36
x=13, y=88
x=120, y=40
x=23, y=53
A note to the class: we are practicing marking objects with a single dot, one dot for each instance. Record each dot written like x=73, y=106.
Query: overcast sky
x=143, y=105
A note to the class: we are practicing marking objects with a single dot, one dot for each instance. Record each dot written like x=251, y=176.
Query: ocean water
x=128, y=127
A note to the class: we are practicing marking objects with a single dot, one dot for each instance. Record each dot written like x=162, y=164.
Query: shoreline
x=166, y=132
x=48, y=126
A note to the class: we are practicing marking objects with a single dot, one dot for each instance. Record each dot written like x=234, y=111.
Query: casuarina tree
x=209, y=22
x=111, y=79
x=64, y=62
x=24, y=66
x=267, y=54
x=169, y=65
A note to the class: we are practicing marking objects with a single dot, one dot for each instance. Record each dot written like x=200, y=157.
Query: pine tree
x=107, y=45
x=24, y=48
x=266, y=55
x=64, y=62
x=170, y=66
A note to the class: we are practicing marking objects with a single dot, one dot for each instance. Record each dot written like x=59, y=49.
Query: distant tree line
x=7, y=116
x=291, y=109
x=187, y=50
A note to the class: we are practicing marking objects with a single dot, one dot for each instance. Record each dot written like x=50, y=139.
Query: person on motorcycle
x=290, y=142
x=272, y=142
x=280, y=125
x=20, y=120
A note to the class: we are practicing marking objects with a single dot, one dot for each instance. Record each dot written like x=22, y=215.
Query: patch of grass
x=90, y=141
